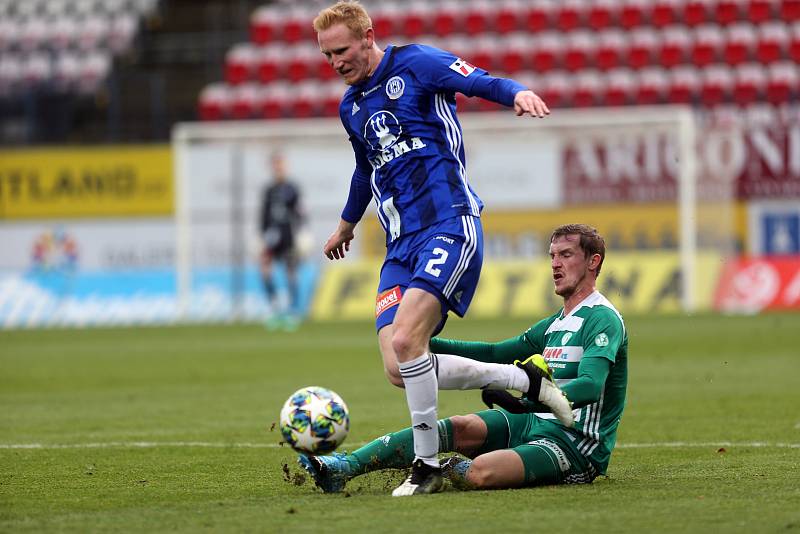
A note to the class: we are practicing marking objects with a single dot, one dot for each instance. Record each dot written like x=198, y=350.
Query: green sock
x=395, y=450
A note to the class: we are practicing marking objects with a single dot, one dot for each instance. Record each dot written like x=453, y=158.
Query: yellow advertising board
x=647, y=282
x=86, y=182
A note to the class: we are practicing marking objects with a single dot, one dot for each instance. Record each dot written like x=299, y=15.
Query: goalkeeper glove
x=543, y=389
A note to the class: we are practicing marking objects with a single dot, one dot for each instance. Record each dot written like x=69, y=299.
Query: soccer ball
x=314, y=420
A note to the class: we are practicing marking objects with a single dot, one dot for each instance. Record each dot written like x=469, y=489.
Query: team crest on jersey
x=462, y=67
x=601, y=340
x=382, y=130
x=565, y=338
x=395, y=87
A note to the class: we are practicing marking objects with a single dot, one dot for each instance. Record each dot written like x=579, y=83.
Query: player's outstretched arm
x=339, y=241
x=529, y=102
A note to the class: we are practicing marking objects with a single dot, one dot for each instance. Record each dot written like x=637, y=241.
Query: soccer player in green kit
x=521, y=443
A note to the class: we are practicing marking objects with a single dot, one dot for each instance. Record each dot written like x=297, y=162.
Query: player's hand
x=506, y=401
x=339, y=241
x=529, y=102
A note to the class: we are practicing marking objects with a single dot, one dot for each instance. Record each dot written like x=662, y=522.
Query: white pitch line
x=220, y=445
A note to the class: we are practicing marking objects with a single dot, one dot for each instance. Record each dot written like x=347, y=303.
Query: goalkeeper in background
x=521, y=443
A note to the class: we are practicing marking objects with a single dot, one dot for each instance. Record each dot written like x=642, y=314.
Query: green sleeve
x=515, y=348
x=588, y=386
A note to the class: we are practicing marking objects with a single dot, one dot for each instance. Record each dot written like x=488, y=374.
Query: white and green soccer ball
x=314, y=420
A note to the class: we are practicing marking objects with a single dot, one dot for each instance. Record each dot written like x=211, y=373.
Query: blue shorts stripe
x=467, y=251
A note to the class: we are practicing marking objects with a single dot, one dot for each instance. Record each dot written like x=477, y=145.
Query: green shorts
x=548, y=455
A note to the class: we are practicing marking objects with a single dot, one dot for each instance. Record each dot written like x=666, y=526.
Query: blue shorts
x=443, y=259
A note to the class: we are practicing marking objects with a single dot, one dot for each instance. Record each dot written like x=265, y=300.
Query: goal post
x=220, y=169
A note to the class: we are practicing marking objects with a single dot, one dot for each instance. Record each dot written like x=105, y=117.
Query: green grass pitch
x=170, y=429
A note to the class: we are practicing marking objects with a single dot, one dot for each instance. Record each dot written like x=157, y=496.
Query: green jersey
x=594, y=329
x=587, y=350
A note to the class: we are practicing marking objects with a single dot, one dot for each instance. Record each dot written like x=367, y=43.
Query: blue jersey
x=407, y=140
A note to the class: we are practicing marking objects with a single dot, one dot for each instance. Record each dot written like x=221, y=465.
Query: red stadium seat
x=332, y=93
x=263, y=25
x=301, y=62
x=514, y=53
x=415, y=20
x=611, y=49
x=695, y=12
x=727, y=11
x=269, y=62
x=773, y=42
x=652, y=86
x=634, y=13
x=477, y=17
x=508, y=17
x=306, y=99
x=602, y=14
x=246, y=101
x=385, y=20
x=684, y=84
x=484, y=52
x=717, y=84
x=760, y=10
x=588, y=86
x=707, y=44
x=556, y=89
x=540, y=16
x=214, y=102
x=240, y=62
x=446, y=19
x=620, y=87
x=790, y=10
x=783, y=81
x=675, y=44
x=458, y=45
x=569, y=14
x=275, y=99
x=296, y=25
x=63, y=32
x=546, y=52
x=794, y=42
x=664, y=13
x=579, y=51
x=750, y=83
x=642, y=48
x=740, y=43
x=33, y=32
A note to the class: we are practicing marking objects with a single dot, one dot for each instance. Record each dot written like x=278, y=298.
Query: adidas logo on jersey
x=356, y=109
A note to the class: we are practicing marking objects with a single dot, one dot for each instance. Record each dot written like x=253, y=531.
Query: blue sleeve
x=360, y=189
x=439, y=70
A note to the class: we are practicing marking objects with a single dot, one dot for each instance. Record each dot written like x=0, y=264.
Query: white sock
x=456, y=372
x=422, y=394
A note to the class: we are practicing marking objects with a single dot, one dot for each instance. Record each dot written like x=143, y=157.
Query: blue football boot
x=330, y=473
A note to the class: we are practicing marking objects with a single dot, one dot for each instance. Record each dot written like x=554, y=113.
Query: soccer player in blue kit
x=399, y=113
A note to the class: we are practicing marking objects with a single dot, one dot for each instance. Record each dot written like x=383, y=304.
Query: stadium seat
x=275, y=99
x=93, y=70
x=514, y=53
x=750, y=83
x=63, y=33
x=760, y=10
x=556, y=89
x=717, y=84
x=122, y=32
x=301, y=61
x=740, y=43
x=602, y=14
x=694, y=12
x=675, y=44
x=414, y=20
x=773, y=42
x=569, y=15
x=652, y=86
x=240, y=62
x=264, y=23
x=332, y=93
x=36, y=69
x=790, y=10
x=580, y=47
x=32, y=34
x=619, y=87
x=783, y=81
x=508, y=17
x=295, y=26
x=306, y=99
x=245, y=102
x=269, y=62
x=794, y=42
x=458, y=44
x=484, y=52
x=664, y=13
x=707, y=44
x=214, y=102
x=10, y=73
x=385, y=20
x=727, y=11
x=634, y=13
x=684, y=84
x=539, y=16
x=476, y=18
x=446, y=19
x=9, y=33
x=66, y=71
x=610, y=49
x=546, y=52
x=588, y=88
x=642, y=48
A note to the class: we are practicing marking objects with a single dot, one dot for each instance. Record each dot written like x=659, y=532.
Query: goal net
x=651, y=179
